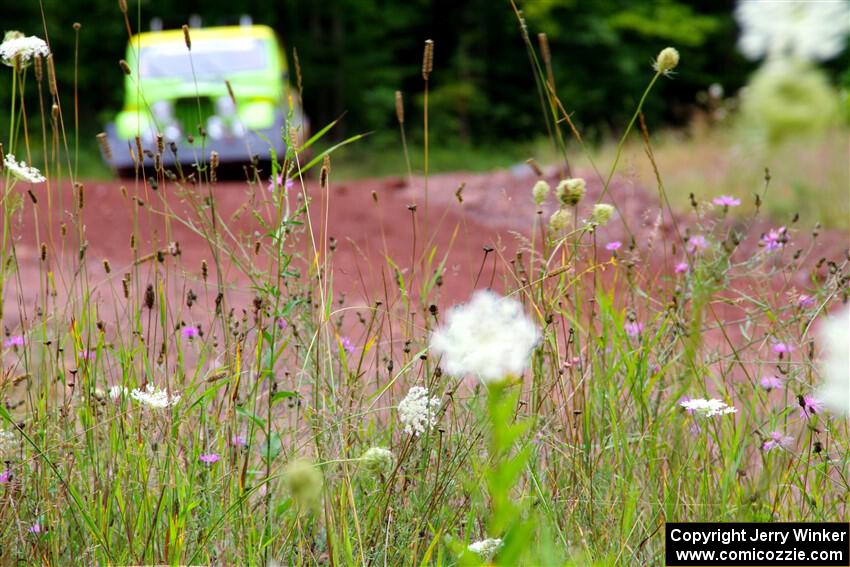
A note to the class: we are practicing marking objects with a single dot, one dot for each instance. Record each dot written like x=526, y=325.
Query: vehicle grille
x=186, y=112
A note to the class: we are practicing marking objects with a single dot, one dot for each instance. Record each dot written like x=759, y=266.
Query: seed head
x=571, y=191
x=602, y=213
x=125, y=67
x=667, y=60
x=186, y=37
x=428, y=59
x=540, y=191
x=378, y=460
x=149, y=296
x=304, y=482
x=399, y=107
x=51, y=75
x=559, y=220
x=103, y=140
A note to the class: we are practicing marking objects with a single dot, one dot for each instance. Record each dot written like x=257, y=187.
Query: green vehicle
x=182, y=94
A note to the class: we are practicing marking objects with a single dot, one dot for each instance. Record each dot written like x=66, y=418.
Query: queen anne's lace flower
x=490, y=337
x=22, y=171
x=835, y=391
x=707, y=408
x=486, y=548
x=17, y=46
x=417, y=411
x=798, y=28
x=154, y=397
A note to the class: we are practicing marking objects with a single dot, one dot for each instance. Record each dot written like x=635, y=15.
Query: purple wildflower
x=35, y=528
x=806, y=301
x=726, y=201
x=771, y=383
x=209, y=458
x=809, y=406
x=774, y=239
x=776, y=440
x=782, y=348
x=5, y=476
x=346, y=345
x=238, y=441
x=633, y=328
x=287, y=184
x=697, y=243
x=612, y=246
x=87, y=354
x=681, y=268
x=190, y=331
x=14, y=341
x=281, y=323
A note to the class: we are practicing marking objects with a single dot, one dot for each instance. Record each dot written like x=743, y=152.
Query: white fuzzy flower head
x=804, y=29
x=540, y=191
x=708, y=408
x=602, y=213
x=18, y=47
x=490, y=337
x=570, y=191
x=154, y=397
x=486, y=548
x=22, y=171
x=560, y=220
x=378, y=460
x=835, y=390
x=418, y=411
x=667, y=60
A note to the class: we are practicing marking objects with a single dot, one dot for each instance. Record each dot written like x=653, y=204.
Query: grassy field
x=597, y=392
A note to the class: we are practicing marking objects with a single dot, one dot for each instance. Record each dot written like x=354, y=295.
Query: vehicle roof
x=221, y=32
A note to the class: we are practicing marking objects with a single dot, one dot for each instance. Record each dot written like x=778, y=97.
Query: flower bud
x=559, y=220
x=571, y=191
x=378, y=460
x=304, y=482
x=601, y=214
x=667, y=60
x=540, y=191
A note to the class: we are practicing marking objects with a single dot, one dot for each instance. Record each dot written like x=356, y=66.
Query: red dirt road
x=370, y=221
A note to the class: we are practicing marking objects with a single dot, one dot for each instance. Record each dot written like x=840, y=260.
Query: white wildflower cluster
x=22, y=171
x=490, y=337
x=486, y=548
x=154, y=397
x=418, y=411
x=803, y=29
x=116, y=392
x=17, y=46
x=835, y=391
x=708, y=408
x=8, y=442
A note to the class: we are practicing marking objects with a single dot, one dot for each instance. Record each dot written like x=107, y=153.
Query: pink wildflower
x=681, y=268
x=14, y=341
x=774, y=239
x=345, y=342
x=697, y=243
x=190, y=332
x=776, y=440
x=809, y=406
x=612, y=246
x=633, y=328
x=782, y=348
x=726, y=201
x=771, y=383
x=5, y=476
x=209, y=458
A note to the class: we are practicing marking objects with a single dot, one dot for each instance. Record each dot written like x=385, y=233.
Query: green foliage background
x=355, y=53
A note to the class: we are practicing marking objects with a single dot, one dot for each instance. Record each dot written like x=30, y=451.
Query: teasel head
x=149, y=296
x=399, y=107
x=186, y=37
x=103, y=141
x=125, y=67
x=428, y=59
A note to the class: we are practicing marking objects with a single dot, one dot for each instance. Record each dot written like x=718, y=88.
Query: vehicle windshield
x=209, y=58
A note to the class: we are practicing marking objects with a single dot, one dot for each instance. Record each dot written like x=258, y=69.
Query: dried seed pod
x=125, y=283
x=204, y=270
x=51, y=75
x=39, y=68
x=81, y=201
x=125, y=67
x=325, y=172
x=399, y=107
x=103, y=140
x=43, y=252
x=106, y=267
x=149, y=296
x=186, y=37
x=428, y=59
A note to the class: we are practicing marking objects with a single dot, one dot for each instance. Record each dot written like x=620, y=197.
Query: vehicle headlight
x=163, y=111
x=224, y=106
